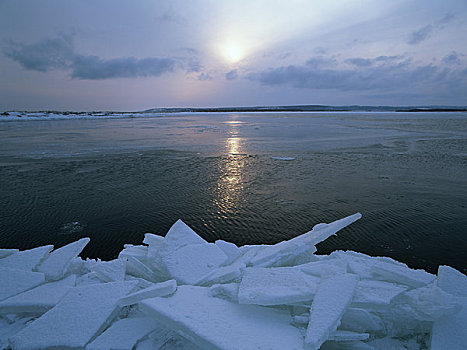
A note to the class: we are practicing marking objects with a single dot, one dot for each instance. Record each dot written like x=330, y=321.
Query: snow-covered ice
x=182, y=292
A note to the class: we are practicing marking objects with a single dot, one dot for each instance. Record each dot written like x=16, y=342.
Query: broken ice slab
x=26, y=259
x=124, y=334
x=190, y=263
x=401, y=273
x=180, y=235
x=276, y=286
x=284, y=252
x=347, y=336
x=329, y=304
x=213, y=323
x=231, y=250
x=13, y=281
x=156, y=290
x=154, y=243
x=450, y=332
x=136, y=251
x=39, y=299
x=360, y=320
x=223, y=274
x=374, y=294
x=165, y=339
x=57, y=263
x=136, y=268
x=227, y=291
x=110, y=271
x=326, y=268
x=6, y=252
x=76, y=319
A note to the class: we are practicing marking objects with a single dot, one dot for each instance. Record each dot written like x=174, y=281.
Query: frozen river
x=245, y=178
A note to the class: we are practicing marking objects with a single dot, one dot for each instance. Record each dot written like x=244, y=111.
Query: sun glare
x=233, y=52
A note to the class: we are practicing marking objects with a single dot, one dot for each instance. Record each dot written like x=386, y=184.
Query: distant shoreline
x=299, y=108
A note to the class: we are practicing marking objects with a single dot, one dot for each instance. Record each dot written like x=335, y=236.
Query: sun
x=233, y=52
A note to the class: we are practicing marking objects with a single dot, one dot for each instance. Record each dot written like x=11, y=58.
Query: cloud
x=94, y=68
x=43, y=56
x=383, y=74
x=204, y=77
x=452, y=58
x=426, y=32
x=58, y=54
x=232, y=75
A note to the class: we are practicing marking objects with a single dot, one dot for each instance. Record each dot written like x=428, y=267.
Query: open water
x=248, y=178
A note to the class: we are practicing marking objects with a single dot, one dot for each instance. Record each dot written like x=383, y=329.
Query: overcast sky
x=133, y=55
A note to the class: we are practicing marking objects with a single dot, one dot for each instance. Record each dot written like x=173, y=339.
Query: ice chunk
x=223, y=274
x=452, y=281
x=7, y=252
x=55, y=266
x=110, y=271
x=283, y=252
x=136, y=251
x=376, y=293
x=360, y=320
x=347, y=336
x=329, y=304
x=13, y=281
x=228, y=291
x=325, y=268
x=156, y=290
x=230, y=249
x=450, y=332
x=192, y=262
x=213, y=323
x=138, y=269
x=76, y=319
x=26, y=259
x=154, y=243
x=9, y=328
x=400, y=273
x=429, y=303
x=165, y=339
x=124, y=334
x=39, y=299
x=275, y=286
x=180, y=235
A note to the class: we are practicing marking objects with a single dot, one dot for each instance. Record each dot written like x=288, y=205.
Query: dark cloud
x=94, y=68
x=420, y=35
x=43, y=56
x=426, y=32
x=204, y=77
x=232, y=75
x=452, y=58
x=58, y=53
x=384, y=74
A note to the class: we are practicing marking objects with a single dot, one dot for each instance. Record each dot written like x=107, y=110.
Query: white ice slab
x=192, y=262
x=56, y=264
x=156, y=290
x=13, y=281
x=223, y=274
x=180, y=235
x=276, y=286
x=124, y=334
x=39, y=299
x=329, y=304
x=110, y=271
x=6, y=252
x=154, y=243
x=227, y=291
x=450, y=332
x=165, y=339
x=76, y=319
x=213, y=323
x=137, y=268
x=27, y=259
x=402, y=274
x=231, y=250
x=136, y=251
x=283, y=252
x=324, y=268
x=348, y=336
x=376, y=293
x=360, y=320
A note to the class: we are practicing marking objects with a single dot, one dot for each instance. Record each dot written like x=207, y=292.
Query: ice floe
x=182, y=292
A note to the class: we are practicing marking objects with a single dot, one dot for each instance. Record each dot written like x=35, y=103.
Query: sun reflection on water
x=231, y=182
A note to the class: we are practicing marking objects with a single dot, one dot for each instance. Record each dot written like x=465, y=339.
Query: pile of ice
x=181, y=292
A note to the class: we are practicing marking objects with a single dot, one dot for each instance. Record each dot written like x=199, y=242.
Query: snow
x=56, y=264
x=181, y=292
